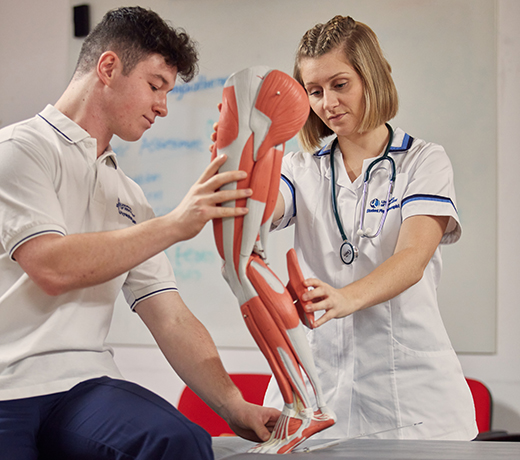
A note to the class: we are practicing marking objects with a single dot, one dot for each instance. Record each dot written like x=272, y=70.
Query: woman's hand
x=324, y=297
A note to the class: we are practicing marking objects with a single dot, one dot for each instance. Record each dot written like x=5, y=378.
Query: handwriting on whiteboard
x=202, y=83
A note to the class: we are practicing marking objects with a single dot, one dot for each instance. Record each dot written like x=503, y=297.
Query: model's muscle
x=261, y=110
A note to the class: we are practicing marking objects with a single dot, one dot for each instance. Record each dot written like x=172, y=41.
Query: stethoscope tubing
x=348, y=252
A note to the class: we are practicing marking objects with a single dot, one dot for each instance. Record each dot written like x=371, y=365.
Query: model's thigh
x=19, y=425
x=113, y=419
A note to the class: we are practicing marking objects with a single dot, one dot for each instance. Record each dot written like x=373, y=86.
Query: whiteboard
x=443, y=55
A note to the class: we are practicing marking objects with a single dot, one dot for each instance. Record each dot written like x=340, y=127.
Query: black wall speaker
x=81, y=20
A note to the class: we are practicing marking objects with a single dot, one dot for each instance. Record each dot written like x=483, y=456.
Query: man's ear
x=109, y=65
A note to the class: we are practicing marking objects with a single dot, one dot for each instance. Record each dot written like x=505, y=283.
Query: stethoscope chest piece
x=348, y=253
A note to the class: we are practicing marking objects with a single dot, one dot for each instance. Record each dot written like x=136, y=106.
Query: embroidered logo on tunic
x=125, y=210
x=377, y=205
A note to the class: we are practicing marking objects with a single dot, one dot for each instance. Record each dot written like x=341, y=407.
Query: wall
x=501, y=371
x=32, y=47
x=34, y=38
x=455, y=82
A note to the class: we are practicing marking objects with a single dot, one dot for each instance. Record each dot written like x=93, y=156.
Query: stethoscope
x=348, y=252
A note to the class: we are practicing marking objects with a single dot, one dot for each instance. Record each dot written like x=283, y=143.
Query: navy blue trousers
x=99, y=419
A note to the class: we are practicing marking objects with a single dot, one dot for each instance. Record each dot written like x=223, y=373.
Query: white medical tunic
x=51, y=181
x=391, y=365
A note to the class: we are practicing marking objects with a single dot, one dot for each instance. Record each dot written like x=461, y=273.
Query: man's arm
x=59, y=264
x=189, y=349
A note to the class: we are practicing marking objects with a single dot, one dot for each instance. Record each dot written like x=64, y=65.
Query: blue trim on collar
x=61, y=132
x=405, y=145
x=323, y=151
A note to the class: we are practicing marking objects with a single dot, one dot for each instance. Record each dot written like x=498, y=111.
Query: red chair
x=253, y=388
x=484, y=412
x=483, y=404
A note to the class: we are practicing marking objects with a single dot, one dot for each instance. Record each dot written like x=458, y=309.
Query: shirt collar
x=63, y=125
x=400, y=143
x=109, y=157
x=70, y=130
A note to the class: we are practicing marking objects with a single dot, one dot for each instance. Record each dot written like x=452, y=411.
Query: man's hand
x=202, y=202
x=59, y=264
x=251, y=421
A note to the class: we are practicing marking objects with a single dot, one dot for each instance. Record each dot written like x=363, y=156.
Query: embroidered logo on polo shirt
x=125, y=210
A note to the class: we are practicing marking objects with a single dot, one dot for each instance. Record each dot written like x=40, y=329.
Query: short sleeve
x=288, y=192
x=431, y=191
x=152, y=277
x=29, y=204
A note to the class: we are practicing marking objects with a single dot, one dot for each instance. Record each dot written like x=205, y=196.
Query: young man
x=74, y=231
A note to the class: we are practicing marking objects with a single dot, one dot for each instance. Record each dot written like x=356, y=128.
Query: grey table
x=234, y=448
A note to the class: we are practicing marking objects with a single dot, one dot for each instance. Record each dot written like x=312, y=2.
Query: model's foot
x=293, y=428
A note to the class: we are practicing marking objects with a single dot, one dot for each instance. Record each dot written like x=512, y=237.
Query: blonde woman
x=370, y=210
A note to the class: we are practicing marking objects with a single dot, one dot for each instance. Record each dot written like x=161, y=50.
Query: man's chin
x=132, y=137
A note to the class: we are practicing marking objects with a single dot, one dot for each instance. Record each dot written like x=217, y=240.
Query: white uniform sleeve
x=288, y=192
x=29, y=204
x=431, y=190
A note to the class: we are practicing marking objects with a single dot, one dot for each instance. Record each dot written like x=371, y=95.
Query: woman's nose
x=330, y=100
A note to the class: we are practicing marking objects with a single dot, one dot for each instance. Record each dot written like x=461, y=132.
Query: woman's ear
x=109, y=65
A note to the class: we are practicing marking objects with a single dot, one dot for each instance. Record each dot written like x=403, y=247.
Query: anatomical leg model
x=261, y=110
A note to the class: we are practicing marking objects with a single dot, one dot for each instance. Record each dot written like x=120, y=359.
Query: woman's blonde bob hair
x=364, y=54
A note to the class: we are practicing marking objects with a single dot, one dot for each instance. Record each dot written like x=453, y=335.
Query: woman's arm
x=279, y=209
x=418, y=239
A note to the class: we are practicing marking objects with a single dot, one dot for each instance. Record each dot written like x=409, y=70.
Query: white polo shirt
x=52, y=182
x=390, y=365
